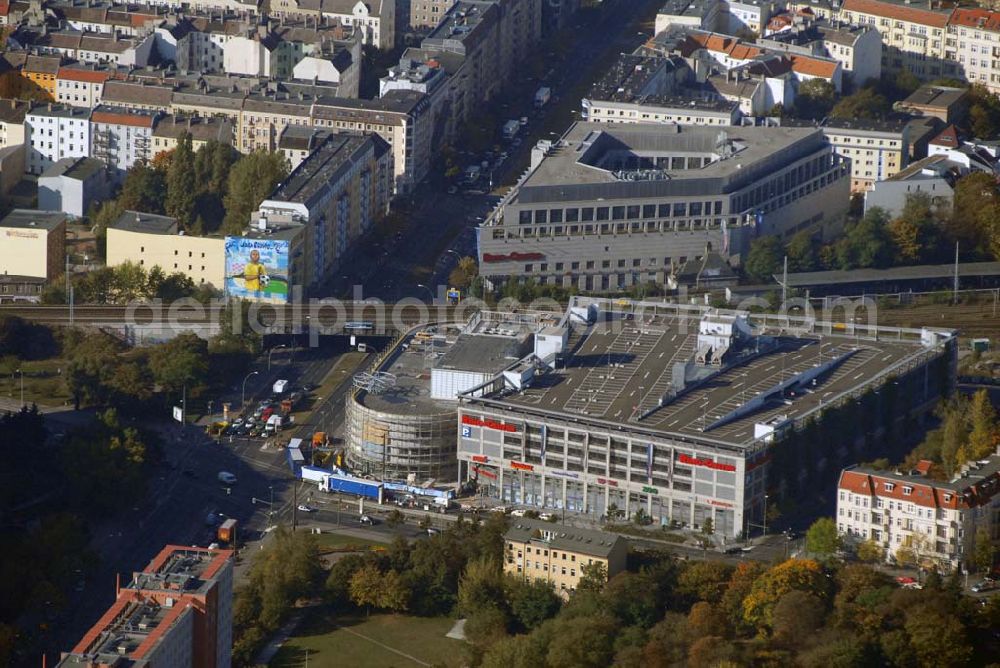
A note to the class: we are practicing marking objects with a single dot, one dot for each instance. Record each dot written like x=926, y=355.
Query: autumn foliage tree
x=802, y=575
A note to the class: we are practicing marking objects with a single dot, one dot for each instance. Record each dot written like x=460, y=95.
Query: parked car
x=306, y=509
x=366, y=520
x=984, y=585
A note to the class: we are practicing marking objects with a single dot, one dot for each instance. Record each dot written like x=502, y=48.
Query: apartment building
x=877, y=150
x=41, y=72
x=297, y=142
x=121, y=137
x=750, y=16
x=82, y=86
x=202, y=129
x=263, y=117
x=177, y=612
x=710, y=15
x=611, y=206
x=157, y=241
x=34, y=243
x=375, y=20
x=73, y=185
x=338, y=192
x=973, y=43
x=558, y=554
x=913, y=35
x=857, y=48
x=428, y=13
x=938, y=521
x=402, y=118
x=12, y=130
x=91, y=47
x=56, y=132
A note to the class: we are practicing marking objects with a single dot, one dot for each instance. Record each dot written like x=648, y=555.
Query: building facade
x=611, y=206
x=56, y=132
x=913, y=36
x=937, y=522
x=558, y=554
x=877, y=151
x=34, y=243
x=120, y=137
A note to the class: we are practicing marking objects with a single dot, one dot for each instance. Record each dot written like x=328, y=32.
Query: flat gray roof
x=147, y=223
x=483, y=353
x=75, y=168
x=32, y=218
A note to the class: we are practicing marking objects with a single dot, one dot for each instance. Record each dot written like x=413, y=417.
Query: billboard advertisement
x=257, y=269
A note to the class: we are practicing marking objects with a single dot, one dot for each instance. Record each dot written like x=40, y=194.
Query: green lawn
x=333, y=541
x=43, y=383
x=335, y=640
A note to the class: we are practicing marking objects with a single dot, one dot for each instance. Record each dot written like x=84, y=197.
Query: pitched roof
x=948, y=138
x=978, y=18
x=898, y=12
x=122, y=117
x=42, y=64
x=83, y=74
x=814, y=67
x=562, y=537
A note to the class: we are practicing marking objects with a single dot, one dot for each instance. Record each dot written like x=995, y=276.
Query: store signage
x=650, y=490
x=564, y=474
x=521, y=466
x=721, y=504
x=707, y=463
x=482, y=459
x=489, y=424
x=484, y=472
x=604, y=481
x=512, y=257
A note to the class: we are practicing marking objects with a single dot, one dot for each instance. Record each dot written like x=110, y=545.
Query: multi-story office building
x=689, y=413
x=557, y=553
x=56, y=132
x=913, y=35
x=938, y=521
x=617, y=205
x=177, y=613
x=121, y=137
x=877, y=150
x=338, y=192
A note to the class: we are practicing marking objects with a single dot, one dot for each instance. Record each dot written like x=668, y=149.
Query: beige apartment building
x=202, y=129
x=12, y=113
x=913, y=34
x=877, y=150
x=557, y=553
x=33, y=243
x=150, y=240
x=973, y=42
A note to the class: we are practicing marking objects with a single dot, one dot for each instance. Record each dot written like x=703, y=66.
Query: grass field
x=335, y=541
x=360, y=642
x=43, y=383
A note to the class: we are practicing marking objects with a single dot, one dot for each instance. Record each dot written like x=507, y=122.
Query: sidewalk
x=266, y=654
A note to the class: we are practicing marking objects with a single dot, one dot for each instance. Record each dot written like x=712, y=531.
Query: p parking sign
x=466, y=432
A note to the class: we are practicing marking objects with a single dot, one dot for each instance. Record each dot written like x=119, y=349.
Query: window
x=889, y=486
x=907, y=490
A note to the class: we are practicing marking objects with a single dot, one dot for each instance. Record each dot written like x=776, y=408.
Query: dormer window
x=889, y=486
x=907, y=490
x=947, y=498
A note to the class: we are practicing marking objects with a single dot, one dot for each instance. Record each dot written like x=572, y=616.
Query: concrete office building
x=33, y=243
x=684, y=412
x=617, y=205
x=557, y=554
x=176, y=613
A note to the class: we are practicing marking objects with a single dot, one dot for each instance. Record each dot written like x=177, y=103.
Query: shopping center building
x=683, y=411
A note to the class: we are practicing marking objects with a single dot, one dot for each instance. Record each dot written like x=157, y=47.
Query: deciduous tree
x=822, y=537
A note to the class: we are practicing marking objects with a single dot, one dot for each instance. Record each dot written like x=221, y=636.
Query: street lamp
x=21, y=374
x=243, y=396
x=765, y=515
x=271, y=351
x=429, y=291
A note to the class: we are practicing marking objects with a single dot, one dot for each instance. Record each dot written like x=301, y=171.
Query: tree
x=703, y=581
x=985, y=435
x=531, y=601
x=183, y=360
x=983, y=551
x=801, y=250
x=765, y=258
x=822, y=537
x=481, y=586
x=593, y=577
x=582, y=642
x=143, y=189
x=486, y=626
x=464, y=273
x=815, y=99
x=366, y=587
x=866, y=104
x=871, y=552
x=795, y=574
x=704, y=619
x=251, y=179
x=937, y=639
x=632, y=598
x=521, y=651
x=181, y=185
x=865, y=243
x=976, y=206
x=797, y=615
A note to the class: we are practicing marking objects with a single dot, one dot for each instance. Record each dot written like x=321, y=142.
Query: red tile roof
x=894, y=11
x=948, y=138
x=922, y=494
x=982, y=19
x=81, y=74
x=813, y=67
x=115, y=118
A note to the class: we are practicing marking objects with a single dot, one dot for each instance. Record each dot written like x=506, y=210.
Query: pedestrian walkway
x=266, y=654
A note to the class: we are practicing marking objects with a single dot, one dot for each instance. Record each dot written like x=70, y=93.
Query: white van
x=227, y=478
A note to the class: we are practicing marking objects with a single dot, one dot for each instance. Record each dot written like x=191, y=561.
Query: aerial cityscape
x=499, y=333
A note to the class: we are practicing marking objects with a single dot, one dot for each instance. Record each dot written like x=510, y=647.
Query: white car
x=227, y=478
x=306, y=509
x=365, y=519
